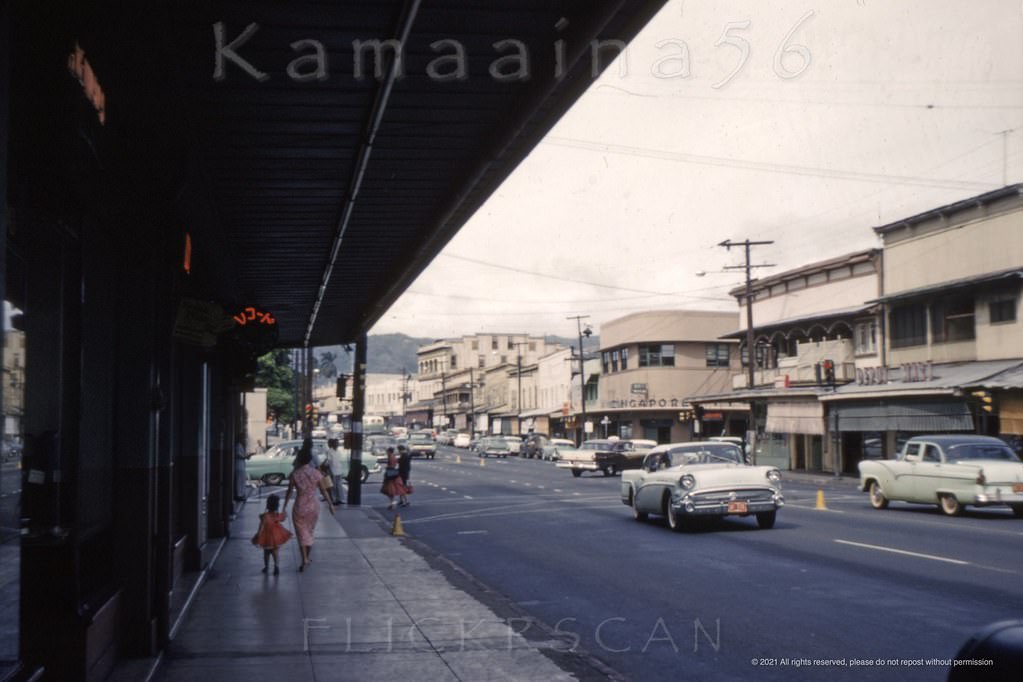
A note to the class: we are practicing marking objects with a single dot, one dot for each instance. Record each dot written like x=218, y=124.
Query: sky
x=803, y=123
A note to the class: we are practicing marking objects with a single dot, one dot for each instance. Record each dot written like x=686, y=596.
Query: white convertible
x=685, y=480
x=950, y=471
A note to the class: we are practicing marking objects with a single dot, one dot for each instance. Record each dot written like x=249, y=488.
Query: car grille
x=724, y=496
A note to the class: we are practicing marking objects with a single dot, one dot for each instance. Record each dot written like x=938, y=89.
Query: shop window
x=909, y=325
x=657, y=355
x=717, y=354
x=1003, y=309
x=952, y=320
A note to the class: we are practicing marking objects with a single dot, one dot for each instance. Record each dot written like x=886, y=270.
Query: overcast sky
x=845, y=115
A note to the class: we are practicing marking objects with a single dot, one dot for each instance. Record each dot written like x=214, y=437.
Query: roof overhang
x=312, y=193
x=954, y=285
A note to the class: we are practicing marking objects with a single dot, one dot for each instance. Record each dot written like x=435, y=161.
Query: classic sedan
x=274, y=466
x=606, y=455
x=495, y=446
x=950, y=471
x=686, y=480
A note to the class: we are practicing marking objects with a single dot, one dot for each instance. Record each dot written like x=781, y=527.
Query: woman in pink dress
x=306, y=480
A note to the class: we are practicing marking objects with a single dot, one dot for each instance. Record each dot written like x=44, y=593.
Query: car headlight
x=687, y=481
x=774, y=476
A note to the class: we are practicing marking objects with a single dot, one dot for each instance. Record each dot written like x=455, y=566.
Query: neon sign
x=251, y=315
x=81, y=69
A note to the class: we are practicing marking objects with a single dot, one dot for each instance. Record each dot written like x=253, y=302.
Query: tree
x=325, y=361
x=277, y=376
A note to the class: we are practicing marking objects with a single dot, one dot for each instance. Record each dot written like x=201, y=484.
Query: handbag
x=390, y=473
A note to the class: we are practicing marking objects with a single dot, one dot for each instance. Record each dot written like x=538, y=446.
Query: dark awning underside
x=280, y=174
x=923, y=416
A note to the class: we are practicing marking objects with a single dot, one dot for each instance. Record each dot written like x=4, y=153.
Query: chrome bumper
x=717, y=503
x=587, y=466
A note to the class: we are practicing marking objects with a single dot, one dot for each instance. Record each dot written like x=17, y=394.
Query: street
x=849, y=588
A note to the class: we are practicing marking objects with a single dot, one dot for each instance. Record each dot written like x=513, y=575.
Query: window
x=1002, y=309
x=454, y=362
x=614, y=361
x=866, y=337
x=493, y=343
x=511, y=344
x=657, y=355
x=476, y=344
x=606, y=362
x=504, y=359
x=483, y=361
x=717, y=355
x=532, y=346
x=952, y=320
x=909, y=325
x=625, y=359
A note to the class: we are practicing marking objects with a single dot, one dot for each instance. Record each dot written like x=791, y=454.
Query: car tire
x=636, y=514
x=950, y=506
x=766, y=519
x=1017, y=509
x=674, y=521
x=877, y=498
x=577, y=473
x=273, y=479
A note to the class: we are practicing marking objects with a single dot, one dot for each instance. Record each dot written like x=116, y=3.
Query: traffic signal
x=699, y=412
x=316, y=413
x=828, y=368
x=986, y=401
x=308, y=411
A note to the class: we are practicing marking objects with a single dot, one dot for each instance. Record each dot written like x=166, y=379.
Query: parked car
x=950, y=471
x=534, y=445
x=556, y=446
x=607, y=455
x=461, y=440
x=446, y=437
x=377, y=444
x=274, y=466
x=686, y=480
x=422, y=444
x=493, y=446
x=514, y=444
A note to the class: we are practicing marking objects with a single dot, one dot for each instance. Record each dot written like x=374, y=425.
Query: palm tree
x=325, y=361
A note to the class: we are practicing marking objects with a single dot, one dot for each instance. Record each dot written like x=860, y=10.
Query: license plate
x=737, y=508
x=1017, y=487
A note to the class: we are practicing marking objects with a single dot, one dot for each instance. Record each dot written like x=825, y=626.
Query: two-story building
x=952, y=355
x=652, y=363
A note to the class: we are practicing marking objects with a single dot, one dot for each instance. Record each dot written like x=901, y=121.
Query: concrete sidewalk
x=371, y=606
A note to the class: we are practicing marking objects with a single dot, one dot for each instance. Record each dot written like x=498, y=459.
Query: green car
x=274, y=466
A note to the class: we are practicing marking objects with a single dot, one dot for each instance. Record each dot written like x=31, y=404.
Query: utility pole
x=582, y=373
x=518, y=363
x=405, y=376
x=728, y=244
x=472, y=405
x=444, y=397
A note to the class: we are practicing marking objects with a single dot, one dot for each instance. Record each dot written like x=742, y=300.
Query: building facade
x=652, y=363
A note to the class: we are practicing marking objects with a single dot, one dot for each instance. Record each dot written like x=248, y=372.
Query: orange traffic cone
x=396, y=529
x=820, y=499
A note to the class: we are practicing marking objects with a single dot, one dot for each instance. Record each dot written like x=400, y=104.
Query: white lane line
x=540, y=487
x=468, y=497
x=904, y=552
x=472, y=532
x=558, y=490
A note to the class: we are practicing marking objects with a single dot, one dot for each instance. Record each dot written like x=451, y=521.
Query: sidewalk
x=370, y=607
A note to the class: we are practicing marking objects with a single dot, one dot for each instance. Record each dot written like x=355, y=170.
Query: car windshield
x=420, y=437
x=971, y=451
x=598, y=445
x=706, y=453
x=383, y=441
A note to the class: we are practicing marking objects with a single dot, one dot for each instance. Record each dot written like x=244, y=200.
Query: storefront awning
x=795, y=417
x=921, y=416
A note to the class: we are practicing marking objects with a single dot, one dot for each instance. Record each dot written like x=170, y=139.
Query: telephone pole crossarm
x=746, y=244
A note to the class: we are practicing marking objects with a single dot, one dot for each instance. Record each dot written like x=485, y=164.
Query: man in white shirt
x=339, y=461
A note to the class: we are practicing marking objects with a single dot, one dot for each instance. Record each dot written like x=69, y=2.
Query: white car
x=685, y=480
x=462, y=440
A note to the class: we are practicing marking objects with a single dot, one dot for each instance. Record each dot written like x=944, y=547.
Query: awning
x=1010, y=414
x=795, y=417
x=945, y=415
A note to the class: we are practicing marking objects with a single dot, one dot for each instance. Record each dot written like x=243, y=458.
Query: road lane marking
x=472, y=532
x=904, y=552
x=468, y=497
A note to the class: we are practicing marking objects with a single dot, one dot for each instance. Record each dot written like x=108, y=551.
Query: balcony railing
x=801, y=369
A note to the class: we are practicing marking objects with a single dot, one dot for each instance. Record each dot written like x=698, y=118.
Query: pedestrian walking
x=405, y=471
x=339, y=461
x=306, y=480
x=392, y=486
x=271, y=534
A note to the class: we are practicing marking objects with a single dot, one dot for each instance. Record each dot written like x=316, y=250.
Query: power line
x=724, y=162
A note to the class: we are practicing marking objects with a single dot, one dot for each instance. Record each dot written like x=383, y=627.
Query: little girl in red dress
x=271, y=533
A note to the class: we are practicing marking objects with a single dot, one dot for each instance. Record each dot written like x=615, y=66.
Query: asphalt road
x=900, y=589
